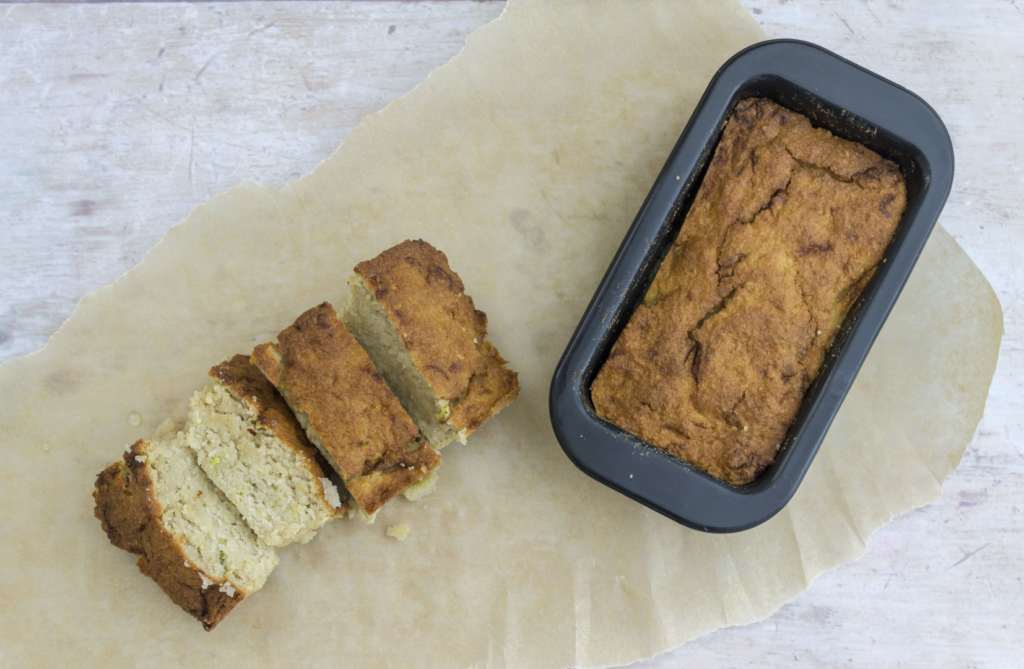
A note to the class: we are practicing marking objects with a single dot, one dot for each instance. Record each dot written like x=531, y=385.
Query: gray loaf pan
x=850, y=102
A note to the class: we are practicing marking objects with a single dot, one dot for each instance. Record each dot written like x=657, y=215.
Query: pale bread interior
x=270, y=483
x=212, y=533
x=376, y=333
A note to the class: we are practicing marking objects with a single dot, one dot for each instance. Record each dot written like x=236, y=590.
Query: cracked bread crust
x=442, y=330
x=784, y=234
x=248, y=384
x=347, y=410
x=130, y=515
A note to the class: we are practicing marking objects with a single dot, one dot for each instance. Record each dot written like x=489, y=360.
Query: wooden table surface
x=117, y=119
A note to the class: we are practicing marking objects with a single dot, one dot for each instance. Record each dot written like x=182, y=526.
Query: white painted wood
x=116, y=120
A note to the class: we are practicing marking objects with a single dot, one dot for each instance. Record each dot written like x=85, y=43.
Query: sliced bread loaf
x=251, y=446
x=410, y=312
x=345, y=407
x=159, y=504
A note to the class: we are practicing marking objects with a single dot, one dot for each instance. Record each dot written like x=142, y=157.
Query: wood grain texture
x=118, y=119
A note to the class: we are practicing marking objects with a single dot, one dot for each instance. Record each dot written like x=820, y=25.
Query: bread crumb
x=331, y=493
x=46, y=447
x=135, y=419
x=399, y=531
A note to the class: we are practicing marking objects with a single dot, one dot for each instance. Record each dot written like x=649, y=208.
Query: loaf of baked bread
x=410, y=312
x=346, y=409
x=158, y=504
x=786, y=230
x=251, y=446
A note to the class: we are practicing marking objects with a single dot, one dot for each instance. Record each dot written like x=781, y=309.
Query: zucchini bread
x=346, y=409
x=251, y=446
x=410, y=312
x=785, y=232
x=158, y=504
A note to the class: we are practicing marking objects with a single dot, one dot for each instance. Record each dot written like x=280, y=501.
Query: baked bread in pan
x=785, y=232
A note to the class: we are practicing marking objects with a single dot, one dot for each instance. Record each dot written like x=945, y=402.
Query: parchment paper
x=525, y=159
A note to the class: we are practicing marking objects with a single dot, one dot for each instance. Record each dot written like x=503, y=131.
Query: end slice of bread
x=346, y=409
x=158, y=504
x=251, y=446
x=410, y=312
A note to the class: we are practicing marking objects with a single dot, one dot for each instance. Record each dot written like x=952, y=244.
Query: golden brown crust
x=376, y=486
x=324, y=373
x=130, y=515
x=490, y=390
x=442, y=330
x=122, y=514
x=163, y=561
x=785, y=232
x=247, y=383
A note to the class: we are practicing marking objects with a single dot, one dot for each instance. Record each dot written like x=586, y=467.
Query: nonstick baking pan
x=852, y=103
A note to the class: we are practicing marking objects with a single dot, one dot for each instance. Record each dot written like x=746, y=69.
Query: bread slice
x=410, y=312
x=159, y=504
x=251, y=446
x=345, y=407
